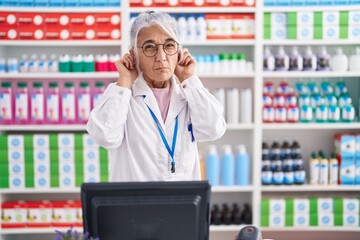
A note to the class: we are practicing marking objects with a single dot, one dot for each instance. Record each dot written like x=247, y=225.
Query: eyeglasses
x=170, y=47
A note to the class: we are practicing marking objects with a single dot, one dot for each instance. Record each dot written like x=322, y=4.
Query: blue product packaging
x=242, y=166
x=227, y=167
x=114, y=3
x=85, y=3
x=326, y=2
x=297, y=3
x=283, y=2
x=341, y=2
x=11, y=3
x=56, y=3
x=212, y=166
x=357, y=154
x=70, y=3
x=41, y=3
x=26, y=3
x=311, y=2
x=270, y=3
x=99, y=2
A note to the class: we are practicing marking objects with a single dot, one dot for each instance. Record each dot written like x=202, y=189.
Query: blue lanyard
x=170, y=151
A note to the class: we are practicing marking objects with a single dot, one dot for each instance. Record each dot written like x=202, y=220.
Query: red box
x=109, y=32
x=136, y=3
x=187, y=3
x=108, y=19
x=30, y=33
x=39, y=214
x=8, y=19
x=219, y=26
x=30, y=19
x=57, y=33
x=243, y=3
x=82, y=32
x=243, y=26
x=79, y=218
x=212, y=3
x=7, y=33
x=64, y=213
x=14, y=214
x=56, y=19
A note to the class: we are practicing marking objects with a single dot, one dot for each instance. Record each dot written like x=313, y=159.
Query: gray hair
x=151, y=18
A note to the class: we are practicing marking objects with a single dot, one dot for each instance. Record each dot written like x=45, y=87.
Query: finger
x=129, y=63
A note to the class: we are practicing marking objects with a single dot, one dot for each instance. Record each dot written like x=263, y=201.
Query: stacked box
x=275, y=26
x=357, y=160
x=41, y=161
x=354, y=24
x=345, y=148
x=300, y=25
x=276, y=212
x=66, y=144
x=16, y=160
x=301, y=212
x=346, y=212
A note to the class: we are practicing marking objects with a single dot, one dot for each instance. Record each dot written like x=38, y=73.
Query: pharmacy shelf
x=221, y=42
x=311, y=188
x=310, y=8
x=226, y=228
x=311, y=74
x=83, y=75
x=226, y=75
x=39, y=191
x=23, y=231
x=227, y=189
x=276, y=42
x=310, y=126
x=195, y=9
x=310, y=229
x=61, y=43
x=50, y=128
x=98, y=9
x=240, y=126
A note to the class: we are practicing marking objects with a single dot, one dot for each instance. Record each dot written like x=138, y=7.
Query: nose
x=160, y=55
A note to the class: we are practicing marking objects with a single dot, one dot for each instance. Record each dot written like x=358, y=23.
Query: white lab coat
x=122, y=123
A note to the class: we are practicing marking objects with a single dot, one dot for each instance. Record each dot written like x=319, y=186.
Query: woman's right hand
x=127, y=70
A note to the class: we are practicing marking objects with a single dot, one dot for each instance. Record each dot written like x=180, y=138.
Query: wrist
x=124, y=83
x=184, y=77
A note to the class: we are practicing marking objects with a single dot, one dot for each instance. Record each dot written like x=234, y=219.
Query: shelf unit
x=251, y=134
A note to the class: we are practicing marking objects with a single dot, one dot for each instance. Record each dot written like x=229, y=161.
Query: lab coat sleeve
x=206, y=112
x=107, y=120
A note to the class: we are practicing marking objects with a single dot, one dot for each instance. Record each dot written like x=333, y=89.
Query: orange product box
x=14, y=214
x=219, y=26
x=30, y=19
x=243, y=3
x=108, y=19
x=8, y=19
x=63, y=213
x=56, y=19
x=243, y=26
x=30, y=33
x=82, y=32
x=56, y=32
x=39, y=214
x=8, y=33
x=109, y=32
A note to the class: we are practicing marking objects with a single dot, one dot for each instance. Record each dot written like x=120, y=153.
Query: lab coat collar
x=177, y=100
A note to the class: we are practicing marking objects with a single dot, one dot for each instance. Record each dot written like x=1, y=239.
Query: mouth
x=161, y=68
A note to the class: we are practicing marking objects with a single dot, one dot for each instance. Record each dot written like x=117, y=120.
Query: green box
x=78, y=141
x=344, y=32
x=338, y=205
x=267, y=33
x=265, y=206
x=28, y=141
x=29, y=169
x=313, y=205
x=79, y=167
x=4, y=156
x=313, y=221
x=4, y=182
x=338, y=219
x=292, y=32
x=289, y=220
x=53, y=141
x=264, y=220
x=292, y=18
x=318, y=32
x=344, y=18
x=4, y=142
x=267, y=19
x=318, y=19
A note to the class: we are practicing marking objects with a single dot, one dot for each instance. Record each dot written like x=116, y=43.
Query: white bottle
x=182, y=24
x=24, y=63
x=216, y=63
x=191, y=27
x=295, y=60
x=33, y=63
x=12, y=65
x=309, y=60
x=269, y=60
x=232, y=106
x=281, y=60
x=354, y=61
x=201, y=27
x=246, y=106
x=339, y=62
x=53, y=63
x=241, y=61
x=219, y=94
x=43, y=63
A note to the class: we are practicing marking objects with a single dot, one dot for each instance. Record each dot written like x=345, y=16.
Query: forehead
x=153, y=33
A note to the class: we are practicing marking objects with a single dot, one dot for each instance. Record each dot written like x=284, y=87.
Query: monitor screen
x=147, y=210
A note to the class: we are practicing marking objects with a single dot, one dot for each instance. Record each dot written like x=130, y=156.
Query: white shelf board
x=310, y=188
x=44, y=75
x=226, y=75
x=19, y=231
x=240, y=126
x=97, y=9
x=310, y=229
x=310, y=126
x=39, y=191
x=221, y=42
x=196, y=9
x=39, y=127
x=275, y=42
x=226, y=228
x=224, y=189
x=312, y=74
x=61, y=43
x=310, y=8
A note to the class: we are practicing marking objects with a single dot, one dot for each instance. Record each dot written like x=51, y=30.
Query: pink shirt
x=162, y=96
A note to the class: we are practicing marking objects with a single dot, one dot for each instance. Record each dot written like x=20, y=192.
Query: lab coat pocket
x=188, y=151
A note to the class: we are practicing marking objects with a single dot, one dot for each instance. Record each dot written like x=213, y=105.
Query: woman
x=151, y=118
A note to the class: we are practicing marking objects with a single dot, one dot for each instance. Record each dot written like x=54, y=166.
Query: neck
x=157, y=84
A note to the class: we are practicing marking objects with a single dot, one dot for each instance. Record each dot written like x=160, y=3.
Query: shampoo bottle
x=227, y=167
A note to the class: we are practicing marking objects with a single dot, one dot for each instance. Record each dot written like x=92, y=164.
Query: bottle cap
x=84, y=84
x=53, y=85
x=76, y=58
x=267, y=51
x=223, y=56
x=69, y=84
x=99, y=84
x=227, y=149
x=101, y=57
x=22, y=84
x=295, y=51
x=89, y=57
x=114, y=57
x=241, y=148
x=233, y=56
x=281, y=51
x=212, y=149
x=37, y=84
x=5, y=84
x=308, y=51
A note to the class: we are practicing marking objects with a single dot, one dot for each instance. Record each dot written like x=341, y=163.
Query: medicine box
x=278, y=19
x=277, y=206
x=41, y=141
x=88, y=142
x=325, y=219
x=325, y=205
x=16, y=155
x=354, y=17
x=357, y=160
x=277, y=220
x=15, y=141
x=66, y=155
x=331, y=32
x=305, y=18
x=278, y=32
x=301, y=205
x=301, y=220
x=13, y=214
x=66, y=140
x=330, y=18
x=354, y=32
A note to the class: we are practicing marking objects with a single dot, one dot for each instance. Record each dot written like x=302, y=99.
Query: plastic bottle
x=241, y=63
x=52, y=103
x=295, y=60
x=43, y=63
x=265, y=149
x=24, y=64
x=299, y=171
x=233, y=63
x=285, y=149
x=83, y=103
x=348, y=113
x=295, y=149
x=275, y=148
x=268, y=60
x=314, y=169
x=242, y=166
x=12, y=65
x=354, y=61
x=182, y=25
x=227, y=167
x=68, y=103
x=225, y=62
x=64, y=63
x=340, y=88
x=89, y=63
x=191, y=27
x=246, y=106
x=53, y=64
x=334, y=113
x=2, y=65
x=333, y=170
x=220, y=95
x=201, y=27
x=266, y=173
x=309, y=60
x=77, y=63
x=288, y=175
x=321, y=113
x=323, y=60
x=213, y=166
x=37, y=103
x=6, y=103
x=97, y=93
x=281, y=60
x=339, y=62
x=102, y=63
x=22, y=103
x=217, y=63
x=324, y=169
x=278, y=175
x=232, y=106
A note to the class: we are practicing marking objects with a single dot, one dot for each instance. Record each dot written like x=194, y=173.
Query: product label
x=266, y=177
x=68, y=106
x=10, y=216
x=52, y=111
x=21, y=105
x=39, y=215
x=278, y=177
x=37, y=107
x=299, y=176
x=83, y=107
x=63, y=215
x=5, y=106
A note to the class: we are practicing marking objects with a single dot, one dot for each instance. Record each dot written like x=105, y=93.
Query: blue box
x=56, y=3
x=270, y=3
x=99, y=2
x=357, y=168
x=114, y=3
x=297, y=2
x=41, y=3
x=70, y=3
x=283, y=2
x=85, y=3
x=26, y=3
x=311, y=2
x=326, y=2
x=11, y=3
x=340, y=2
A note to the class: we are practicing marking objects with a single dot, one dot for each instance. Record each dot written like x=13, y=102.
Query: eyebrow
x=152, y=41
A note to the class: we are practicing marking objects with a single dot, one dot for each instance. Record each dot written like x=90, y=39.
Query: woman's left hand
x=186, y=67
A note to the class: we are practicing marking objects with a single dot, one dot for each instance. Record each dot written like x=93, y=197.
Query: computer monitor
x=147, y=210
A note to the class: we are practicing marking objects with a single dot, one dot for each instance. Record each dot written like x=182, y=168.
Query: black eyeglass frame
x=157, y=48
